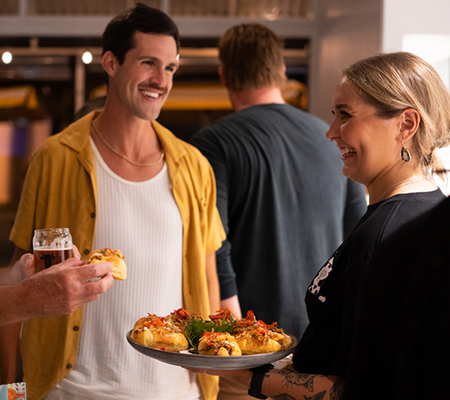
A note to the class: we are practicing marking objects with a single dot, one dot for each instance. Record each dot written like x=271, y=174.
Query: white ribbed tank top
x=143, y=221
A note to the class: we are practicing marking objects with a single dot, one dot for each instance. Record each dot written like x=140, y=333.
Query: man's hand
x=64, y=287
x=24, y=268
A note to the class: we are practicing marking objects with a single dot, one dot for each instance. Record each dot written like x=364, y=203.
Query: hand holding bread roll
x=115, y=257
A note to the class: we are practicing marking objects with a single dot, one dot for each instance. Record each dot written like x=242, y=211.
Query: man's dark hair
x=118, y=36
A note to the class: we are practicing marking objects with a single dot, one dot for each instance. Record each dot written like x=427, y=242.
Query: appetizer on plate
x=220, y=322
x=218, y=344
x=182, y=318
x=223, y=335
x=255, y=337
x=224, y=316
x=157, y=333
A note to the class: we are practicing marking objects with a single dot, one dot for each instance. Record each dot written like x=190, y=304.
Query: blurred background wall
x=51, y=53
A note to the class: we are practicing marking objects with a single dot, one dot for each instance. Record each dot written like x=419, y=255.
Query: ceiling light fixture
x=7, y=57
x=87, y=57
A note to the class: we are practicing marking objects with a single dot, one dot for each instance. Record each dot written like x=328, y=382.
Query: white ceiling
x=231, y=8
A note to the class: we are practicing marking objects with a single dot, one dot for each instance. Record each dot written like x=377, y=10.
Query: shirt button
x=75, y=328
x=86, y=251
x=92, y=215
x=69, y=366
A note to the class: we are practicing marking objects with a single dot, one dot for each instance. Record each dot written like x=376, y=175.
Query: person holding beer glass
x=391, y=114
x=51, y=282
x=58, y=290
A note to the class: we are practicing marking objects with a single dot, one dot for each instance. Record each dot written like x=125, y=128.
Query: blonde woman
x=391, y=114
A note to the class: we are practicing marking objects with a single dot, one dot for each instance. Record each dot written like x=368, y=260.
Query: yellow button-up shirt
x=60, y=190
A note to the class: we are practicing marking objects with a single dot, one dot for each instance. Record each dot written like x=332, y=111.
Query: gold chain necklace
x=123, y=156
x=398, y=185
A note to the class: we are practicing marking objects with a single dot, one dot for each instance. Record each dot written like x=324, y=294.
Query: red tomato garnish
x=155, y=321
x=250, y=316
x=182, y=313
x=223, y=313
x=262, y=328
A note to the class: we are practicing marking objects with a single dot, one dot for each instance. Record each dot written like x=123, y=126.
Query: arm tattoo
x=317, y=396
x=337, y=391
x=307, y=381
x=296, y=379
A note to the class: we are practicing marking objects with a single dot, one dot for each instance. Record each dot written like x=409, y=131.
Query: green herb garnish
x=196, y=328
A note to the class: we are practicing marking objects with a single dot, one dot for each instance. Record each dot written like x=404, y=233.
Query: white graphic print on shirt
x=320, y=277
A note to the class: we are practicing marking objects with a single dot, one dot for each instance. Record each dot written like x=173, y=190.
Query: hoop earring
x=406, y=156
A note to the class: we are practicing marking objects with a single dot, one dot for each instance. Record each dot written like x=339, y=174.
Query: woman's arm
x=286, y=384
x=282, y=383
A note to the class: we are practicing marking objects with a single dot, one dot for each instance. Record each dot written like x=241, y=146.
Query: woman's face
x=369, y=145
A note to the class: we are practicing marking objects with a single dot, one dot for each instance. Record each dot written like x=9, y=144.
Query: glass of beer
x=51, y=246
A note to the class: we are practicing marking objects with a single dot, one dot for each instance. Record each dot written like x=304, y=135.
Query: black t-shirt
x=401, y=347
x=331, y=297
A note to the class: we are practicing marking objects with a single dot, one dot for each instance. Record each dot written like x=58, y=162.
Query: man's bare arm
x=213, y=282
x=22, y=266
x=59, y=290
x=233, y=304
x=9, y=339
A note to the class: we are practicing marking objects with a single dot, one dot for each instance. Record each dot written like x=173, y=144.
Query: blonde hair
x=393, y=82
x=252, y=57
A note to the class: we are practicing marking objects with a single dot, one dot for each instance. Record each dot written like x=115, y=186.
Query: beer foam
x=53, y=247
x=52, y=239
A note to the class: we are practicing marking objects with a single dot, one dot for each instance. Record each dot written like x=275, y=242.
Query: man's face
x=144, y=80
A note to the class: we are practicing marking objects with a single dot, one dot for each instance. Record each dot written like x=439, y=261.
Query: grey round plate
x=189, y=360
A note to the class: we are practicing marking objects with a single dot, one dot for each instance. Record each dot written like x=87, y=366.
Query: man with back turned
x=284, y=203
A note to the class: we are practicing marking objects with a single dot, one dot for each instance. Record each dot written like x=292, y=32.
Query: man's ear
x=223, y=80
x=409, y=123
x=109, y=63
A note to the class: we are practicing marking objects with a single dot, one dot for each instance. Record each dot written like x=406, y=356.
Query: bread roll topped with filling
x=255, y=337
x=218, y=344
x=157, y=333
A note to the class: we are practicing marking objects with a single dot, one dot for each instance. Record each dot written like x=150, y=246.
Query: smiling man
x=118, y=179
